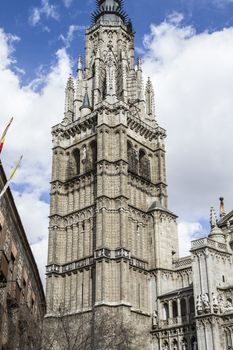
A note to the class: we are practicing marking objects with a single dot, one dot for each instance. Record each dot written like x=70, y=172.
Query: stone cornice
x=139, y=126
x=101, y=254
x=81, y=124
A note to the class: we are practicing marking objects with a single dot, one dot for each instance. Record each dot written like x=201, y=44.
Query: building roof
x=177, y=292
x=9, y=200
x=225, y=219
x=156, y=207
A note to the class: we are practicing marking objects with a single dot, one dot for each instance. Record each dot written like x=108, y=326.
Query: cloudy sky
x=187, y=49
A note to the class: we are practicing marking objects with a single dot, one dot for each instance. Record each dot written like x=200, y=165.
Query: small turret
x=86, y=106
x=216, y=233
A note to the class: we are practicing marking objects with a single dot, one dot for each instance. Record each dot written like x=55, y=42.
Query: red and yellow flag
x=10, y=177
x=2, y=139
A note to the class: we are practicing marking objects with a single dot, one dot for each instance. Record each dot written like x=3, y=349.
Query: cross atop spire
x=110, y=10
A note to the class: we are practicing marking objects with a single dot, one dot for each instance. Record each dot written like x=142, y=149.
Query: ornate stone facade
x=22, y=301
x=112, y=240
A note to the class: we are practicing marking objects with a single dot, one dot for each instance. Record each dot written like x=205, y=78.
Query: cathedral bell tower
x=109, y=222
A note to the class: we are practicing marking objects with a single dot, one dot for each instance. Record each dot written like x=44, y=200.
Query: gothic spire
x=110, y=10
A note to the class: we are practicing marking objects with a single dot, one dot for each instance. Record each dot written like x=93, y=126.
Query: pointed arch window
x=191, y=305
x=144, y=165
x=76, y=155
x=132, y=158
x=174, y=309
x=104, y=88
x=183, y=308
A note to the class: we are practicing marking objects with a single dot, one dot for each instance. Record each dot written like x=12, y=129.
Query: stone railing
x=176, y=321
x=57, y=269
x=207, y=242
x=183, y=262
x=138, y=263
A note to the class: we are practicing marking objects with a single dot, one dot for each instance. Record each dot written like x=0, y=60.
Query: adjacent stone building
x=22, y=301
x=113, y=242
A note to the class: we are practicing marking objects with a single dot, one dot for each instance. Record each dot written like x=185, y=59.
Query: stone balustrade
x=207, y=242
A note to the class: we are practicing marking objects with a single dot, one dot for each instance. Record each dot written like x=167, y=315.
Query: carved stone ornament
x=206, y=302
x=199, y=304
x=215, y=302
x=155, y=318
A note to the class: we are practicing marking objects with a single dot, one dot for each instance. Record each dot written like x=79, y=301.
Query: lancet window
x=132, y=159
x=144, y=165
x=191, y=305
x=174, y=309
x=183, y=307
x=76, y=155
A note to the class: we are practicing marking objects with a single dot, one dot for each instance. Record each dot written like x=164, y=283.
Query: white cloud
x=7, y=42
x=192, y=74
x=67, y=40
x=34, y=115
x=39, y=250
x=67, y=3
x=222, y=3
x=189, y=231
x=46, y=10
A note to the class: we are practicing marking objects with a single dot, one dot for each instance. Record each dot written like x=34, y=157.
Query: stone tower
x=109, y=223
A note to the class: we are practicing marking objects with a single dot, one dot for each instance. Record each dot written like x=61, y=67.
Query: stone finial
x=80, y=68
x=150, y=96
x=70, y=83
x=222, y=207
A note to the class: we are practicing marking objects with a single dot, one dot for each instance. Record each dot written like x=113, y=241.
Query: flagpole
x=2, y=139
x=10, y=178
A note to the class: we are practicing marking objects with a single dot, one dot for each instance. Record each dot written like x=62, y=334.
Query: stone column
x=179, y=310
x=170, y=309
